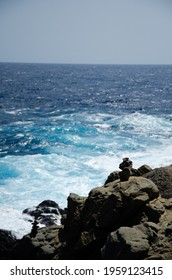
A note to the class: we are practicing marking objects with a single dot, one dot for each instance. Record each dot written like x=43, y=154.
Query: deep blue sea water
x=64, y=128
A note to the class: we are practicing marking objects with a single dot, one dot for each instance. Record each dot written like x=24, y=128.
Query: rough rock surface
x=162, y=177
x=126, y=242
x=121, y=220
x=43, y=246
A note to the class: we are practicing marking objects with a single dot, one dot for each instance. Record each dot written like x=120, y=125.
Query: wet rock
x=47, y=213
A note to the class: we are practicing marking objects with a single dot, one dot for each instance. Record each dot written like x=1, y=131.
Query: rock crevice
x=128, y=218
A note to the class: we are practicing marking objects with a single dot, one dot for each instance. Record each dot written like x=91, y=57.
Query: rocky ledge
x=129, y=217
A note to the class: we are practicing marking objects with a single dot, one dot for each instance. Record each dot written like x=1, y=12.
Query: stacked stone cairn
x=129, y=217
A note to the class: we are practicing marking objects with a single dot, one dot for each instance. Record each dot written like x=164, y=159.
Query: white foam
x=104, y=125
x=84, y=163
x=13, y=220
x=146, y=124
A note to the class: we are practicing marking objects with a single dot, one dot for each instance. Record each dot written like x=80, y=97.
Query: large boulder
x=126, y=243
x=114, y=204
x=162, y=177
x=106, y=208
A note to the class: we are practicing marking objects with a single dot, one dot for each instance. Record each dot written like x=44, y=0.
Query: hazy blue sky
x=86, y=31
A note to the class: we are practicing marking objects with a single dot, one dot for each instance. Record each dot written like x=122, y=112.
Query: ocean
x=64, y=128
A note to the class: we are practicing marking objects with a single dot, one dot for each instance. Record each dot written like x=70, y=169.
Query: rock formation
x=123, y=219
x=162, y=177
x=47, y=213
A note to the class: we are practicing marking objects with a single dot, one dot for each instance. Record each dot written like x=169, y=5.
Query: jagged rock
x=117, y=201
x=46, y=213
x=162, y=177
x=120, y=220
x=90, y=219
x=72, y=227
x=126, y=243
x=124, y=200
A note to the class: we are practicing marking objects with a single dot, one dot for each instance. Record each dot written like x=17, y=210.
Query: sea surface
x=64, y=128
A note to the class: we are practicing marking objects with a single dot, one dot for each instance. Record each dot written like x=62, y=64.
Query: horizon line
x=80, y=63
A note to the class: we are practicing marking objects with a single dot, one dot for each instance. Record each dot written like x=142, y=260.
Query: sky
x=86, y=31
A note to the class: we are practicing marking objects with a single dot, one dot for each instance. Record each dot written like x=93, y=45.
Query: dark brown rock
x=124, y=174
x=144, y=169
x=154, y=210
x=39, y=247
x=120, y=220
x=126, y=243
x=162, y=177
x=72, y=221
x=127, y=164
x=89, y=220
x=112, y=177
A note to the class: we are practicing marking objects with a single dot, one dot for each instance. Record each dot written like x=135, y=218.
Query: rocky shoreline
x=129, y=217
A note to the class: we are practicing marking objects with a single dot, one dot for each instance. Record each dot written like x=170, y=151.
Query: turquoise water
x=64, y=128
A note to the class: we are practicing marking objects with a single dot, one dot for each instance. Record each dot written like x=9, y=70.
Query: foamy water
x=84, y=164
x=62, y=136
